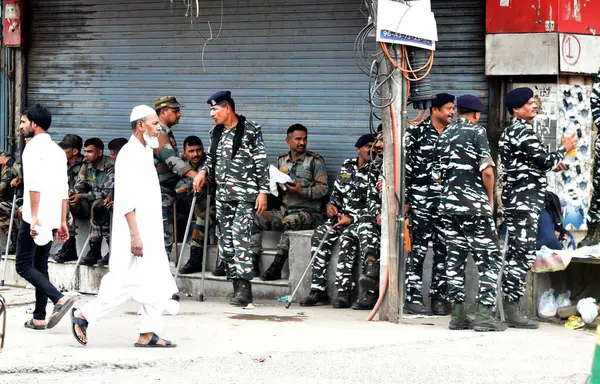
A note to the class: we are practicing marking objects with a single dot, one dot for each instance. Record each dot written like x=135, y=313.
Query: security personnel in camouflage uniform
x=302, y=200
x=193, y=151
x=464, y=167
x=525, y=163
x=592, y=236
x=169, y=165
x=72, y=145
x=350, y=205
x=7, y=175
x=95, y=185
x=238, y=161
x=422, y=199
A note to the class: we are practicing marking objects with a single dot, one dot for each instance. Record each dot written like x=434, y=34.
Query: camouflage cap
x=167, y=101
x=71, y=141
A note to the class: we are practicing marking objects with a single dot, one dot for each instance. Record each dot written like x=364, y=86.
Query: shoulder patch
x=282, y=155
x=315, y=155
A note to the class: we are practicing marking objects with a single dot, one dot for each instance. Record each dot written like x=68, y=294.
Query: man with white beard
x=139, y=268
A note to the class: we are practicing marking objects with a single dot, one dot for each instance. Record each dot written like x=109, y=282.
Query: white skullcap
x=141, y=111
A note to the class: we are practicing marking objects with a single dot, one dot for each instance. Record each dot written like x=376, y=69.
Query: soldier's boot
x=194, y=263
x=243, y=296
x=12, y=248
x=220, y=269
x=255, y=266
x=315, y=297
x=592, y=237
x=93, y=255
x=68, y=252
x=274, y=270
x=366, y=301
x=416, y=308
x=515, y=318
x=458, y=318
x=485, y=320
x=439, y=307
x=369, y=280
x=104, y=260
x=342, y=300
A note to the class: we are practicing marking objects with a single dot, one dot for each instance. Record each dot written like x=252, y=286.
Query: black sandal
x=59, y=311
x=29, y=324
x=153, y=343
x=83, y=325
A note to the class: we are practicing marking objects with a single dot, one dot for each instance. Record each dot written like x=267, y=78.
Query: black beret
x=364, y=140
x=470, y=103
x=219, y=98
x=517, y=97
x=442, y=99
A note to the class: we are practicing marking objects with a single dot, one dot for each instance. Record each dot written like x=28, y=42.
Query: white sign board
x=410, y=23
x=579, y=53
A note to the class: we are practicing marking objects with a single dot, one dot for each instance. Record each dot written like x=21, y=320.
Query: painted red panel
x=579, y=16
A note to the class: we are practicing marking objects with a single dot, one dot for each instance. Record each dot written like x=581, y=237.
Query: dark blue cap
x=469, y=103
x=364, y=140
x=517, y=97
x=442, y=99
x=219, y=98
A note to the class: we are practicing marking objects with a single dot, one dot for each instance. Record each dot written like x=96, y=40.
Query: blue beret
x=517, y=98
x=442, y=99
x=470, y=103
x=364, y=140
x=219, y=98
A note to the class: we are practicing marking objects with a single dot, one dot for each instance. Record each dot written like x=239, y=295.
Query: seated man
x=302, y=200
x=72, y=145
x=115, y=145
x=95, y=185
x=352, y=203
x=7, y=175
x=193, y=152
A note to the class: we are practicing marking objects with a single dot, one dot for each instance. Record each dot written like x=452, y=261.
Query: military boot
x=194, y=263
x=243, y=296
x=416, y=308
x=515, y=318
x=274, y=270
x=369, y=280
x=220, y=269
x=93, y=255
x=439, y=307
x=485, y=320
x=459, y=319
x=68, y=252
x=592, y=237
x=104, y=260
x=342, y=300
x=315, y=297
x=366, y=302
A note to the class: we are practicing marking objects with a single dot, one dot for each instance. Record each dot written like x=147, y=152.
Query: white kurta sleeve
x=125, y=185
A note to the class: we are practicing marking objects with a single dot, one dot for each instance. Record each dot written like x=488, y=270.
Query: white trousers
x=114, y=292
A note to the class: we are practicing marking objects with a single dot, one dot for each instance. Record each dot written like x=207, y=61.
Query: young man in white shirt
x=45, y=201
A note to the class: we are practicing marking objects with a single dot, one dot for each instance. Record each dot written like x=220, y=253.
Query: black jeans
x=32, y=265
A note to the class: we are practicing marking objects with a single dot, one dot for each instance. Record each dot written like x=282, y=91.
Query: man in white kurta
x=138, y=266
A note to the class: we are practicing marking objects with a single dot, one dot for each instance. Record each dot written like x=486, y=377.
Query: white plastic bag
x=564, y=300
x=588, y=309
x=547, y=307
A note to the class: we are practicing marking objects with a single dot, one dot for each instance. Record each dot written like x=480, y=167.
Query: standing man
x=525, y=163
x=464, y=169
x=169, y=165
x=238, y=161
x=422, y=200
x=95, y=185
x=302, y=200
x=72, y=145
x=139, y=268
x=44, y=209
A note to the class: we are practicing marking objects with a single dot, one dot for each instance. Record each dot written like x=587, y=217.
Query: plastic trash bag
x=588, y=309
x=563, y=300
x=547, y=307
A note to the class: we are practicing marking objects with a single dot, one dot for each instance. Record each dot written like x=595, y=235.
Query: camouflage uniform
x=170, y=168
x=594, y=211
x=525, y=162
x=95, y=185
x=299, y=211
x=6, y=194
x=239, y=180
x=463, y=153
x=423, y=195
x=81, y=210
x=355, y=196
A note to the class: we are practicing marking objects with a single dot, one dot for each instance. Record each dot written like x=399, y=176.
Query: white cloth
x=145, y=279
x=277, y=177
x=45, y=167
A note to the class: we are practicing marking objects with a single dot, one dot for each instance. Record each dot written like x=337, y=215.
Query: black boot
x=592, y=237
x=274, y=270
x=194, y=263
x=104, y=260
x=416, y=308
x=342, y=300
x=220, y=270
x=68, y=252
x=93, y=255
x=255, y=265
x=243, y=296
x=369, y=280
x=315, y=297
x=366, y=302
x=440, y=307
